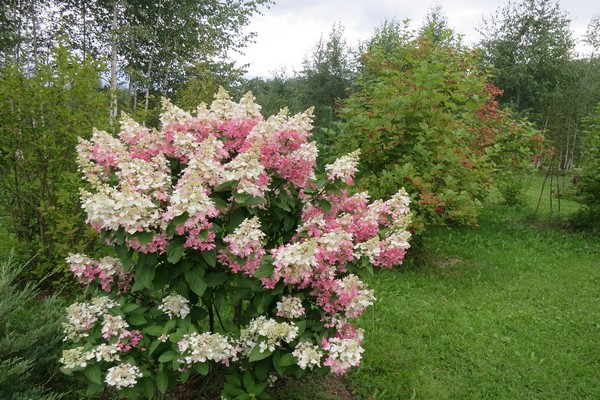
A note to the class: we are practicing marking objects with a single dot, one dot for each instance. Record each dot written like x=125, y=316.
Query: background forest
x=512, y=123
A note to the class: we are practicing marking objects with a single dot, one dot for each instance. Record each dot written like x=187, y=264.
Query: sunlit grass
x=510, y=310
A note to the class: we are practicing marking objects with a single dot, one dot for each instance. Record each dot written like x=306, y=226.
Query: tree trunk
x=113, y=69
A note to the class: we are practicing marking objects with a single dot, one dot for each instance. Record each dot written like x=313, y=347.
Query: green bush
x=426, y=118
x=589, y=181
x=42, y=114
x=30, y=337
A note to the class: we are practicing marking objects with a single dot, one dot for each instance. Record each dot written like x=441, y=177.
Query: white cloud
x=288, y=31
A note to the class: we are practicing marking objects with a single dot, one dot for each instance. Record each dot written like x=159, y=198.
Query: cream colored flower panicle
x=76, y=357
x=247, y=107
x=343, y=168
x=308, y=355
x=222, y=105
x=123, y=375
x=171, y=114
x=175, y=305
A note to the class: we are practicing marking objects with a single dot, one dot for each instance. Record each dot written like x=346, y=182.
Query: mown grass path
x=506, y=311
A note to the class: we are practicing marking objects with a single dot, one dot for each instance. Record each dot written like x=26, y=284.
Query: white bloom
x=104, y=303
x=76, y=357
x=361, y=298
x=370, y=248
x=81, y=317
x=106, y=352
x=343, y=353
x=308, y=355
x=197, y=348
x=172, y=114
x=267, y=334
x=110, y=208
x=175, y=305
x=290, y=307
x=123, y=375
x=343, y=168
x=295, y=262
x=113, y=326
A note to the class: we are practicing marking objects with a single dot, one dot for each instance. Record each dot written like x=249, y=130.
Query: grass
x=510, y=310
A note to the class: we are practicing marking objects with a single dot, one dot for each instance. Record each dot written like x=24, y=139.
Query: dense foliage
x=42, y=115
x=425, y=117
x=588, y=186
x=233, y=254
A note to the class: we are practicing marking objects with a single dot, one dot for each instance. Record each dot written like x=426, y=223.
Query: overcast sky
x=288, y=31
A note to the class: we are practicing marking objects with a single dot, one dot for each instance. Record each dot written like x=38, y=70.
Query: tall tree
x=529, y=45
x=327, y=74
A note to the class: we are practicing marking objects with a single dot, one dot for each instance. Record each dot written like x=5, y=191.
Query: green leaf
x=286, y=360
x=129, y=307
x=169, y=326
x=153, y=346
x=215, y=278
x=248, y=381
x=153, y=330
x=220, y=203
x=168, y=356
x=175, y=250
x=256, y=355
x=210, y=256
x=265, y=269
x=93, y=373
x=201, y=368
x=195, y=279
x=147, y=385
x=144, y=237
x=162, y=381
x=136, y=319
x=93, y=389
x=144, y=275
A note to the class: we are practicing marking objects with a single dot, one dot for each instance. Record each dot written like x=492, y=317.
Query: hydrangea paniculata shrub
x=231, y=253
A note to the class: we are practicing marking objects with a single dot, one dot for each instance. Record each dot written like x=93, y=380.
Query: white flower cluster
x=106, y=352
x=113, y=326
x=247, y=170
x=172, y=114
x=308, y=355
x=370, y=248
x=197, y=348
x=245, y=237
x=290, y=307
x=267, y=334
x=343, y=353
x=361, y=299
x=146, y=175
x=175, y=305
x=225, y=108
x=331, y=242
x=82, y=316
x=398, y=205
x=343, y=168
x=76, y=357
x=295, y=262
x=123, y=375
x=111, y=208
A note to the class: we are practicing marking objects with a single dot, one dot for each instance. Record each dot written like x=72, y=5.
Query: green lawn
x=510, y=310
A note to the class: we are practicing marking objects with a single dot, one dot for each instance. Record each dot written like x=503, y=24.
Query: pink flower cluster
x=135, y=188
x=104, y=271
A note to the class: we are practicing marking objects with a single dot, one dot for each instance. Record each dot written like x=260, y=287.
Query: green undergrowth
x=510, y=310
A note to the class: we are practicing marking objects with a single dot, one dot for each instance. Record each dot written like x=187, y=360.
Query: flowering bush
x=232, y=253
